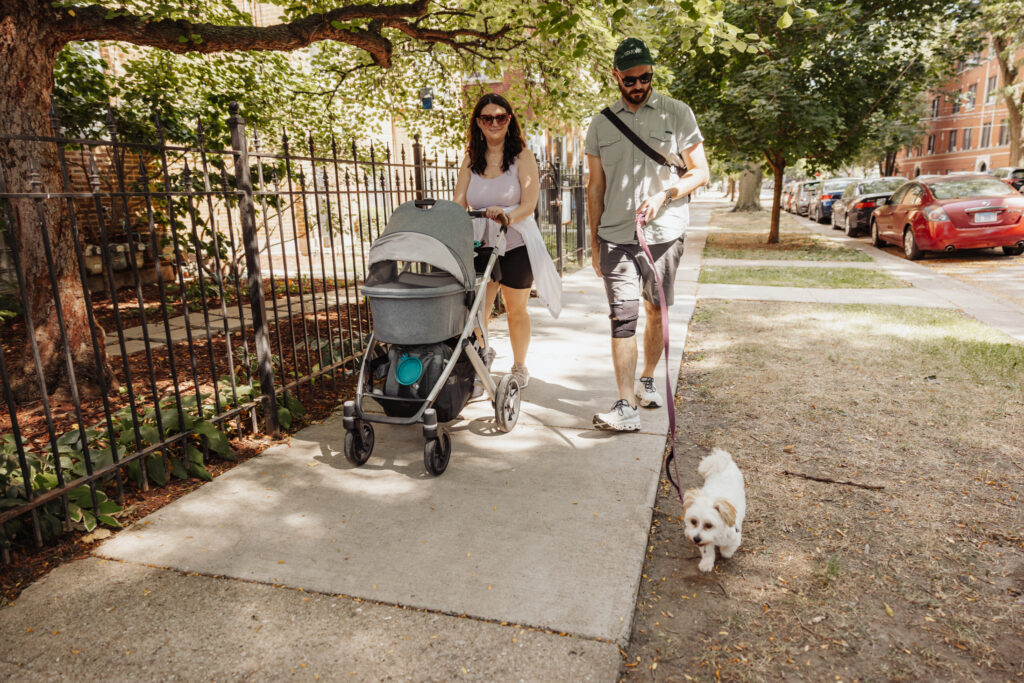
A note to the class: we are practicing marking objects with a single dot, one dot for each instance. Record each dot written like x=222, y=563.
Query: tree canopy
x=821, y=77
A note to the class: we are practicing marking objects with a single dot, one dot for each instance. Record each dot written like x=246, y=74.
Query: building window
x=956, y=102
x=967, y=138
x=972, y=97
x=935, y=107
x=952, y=142
x=990, y=89
x=986, y=135
x=1004, y=132
x=931, y=144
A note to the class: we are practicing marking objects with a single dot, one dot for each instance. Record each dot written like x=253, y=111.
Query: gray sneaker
x=521, y=374
x=647, y=394
x=621, y=418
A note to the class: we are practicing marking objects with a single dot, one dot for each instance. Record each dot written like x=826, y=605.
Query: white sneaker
x=521, y=374
x=647, y=394
x=621, y=418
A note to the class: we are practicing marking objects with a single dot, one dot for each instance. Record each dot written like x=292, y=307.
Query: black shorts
x=511, y=270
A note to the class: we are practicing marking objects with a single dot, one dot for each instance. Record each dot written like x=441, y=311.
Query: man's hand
x=651, y=206
x=595, y=257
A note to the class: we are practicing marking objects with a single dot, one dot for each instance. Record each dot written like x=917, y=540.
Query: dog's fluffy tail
x=716, y=462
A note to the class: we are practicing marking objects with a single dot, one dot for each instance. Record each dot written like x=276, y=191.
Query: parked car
x=943, y=213
x=820, y=207
x=852, y=211
x=1012, y=175
x=788, y=195
x=802, y=197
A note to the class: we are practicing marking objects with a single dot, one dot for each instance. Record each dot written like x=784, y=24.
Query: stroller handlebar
x=481, y=213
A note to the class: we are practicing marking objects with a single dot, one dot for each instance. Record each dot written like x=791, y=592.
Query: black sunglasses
x=630, y=81
x=488, y=119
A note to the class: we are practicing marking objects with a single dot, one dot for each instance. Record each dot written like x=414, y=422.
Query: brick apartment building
x=968, y=128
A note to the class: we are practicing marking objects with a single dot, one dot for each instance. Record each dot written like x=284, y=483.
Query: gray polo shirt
x=669, y=127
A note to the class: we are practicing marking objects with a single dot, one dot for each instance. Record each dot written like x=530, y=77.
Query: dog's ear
x=689, y=498
x=727, y=510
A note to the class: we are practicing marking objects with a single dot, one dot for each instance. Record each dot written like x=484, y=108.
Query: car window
x=811, y=188
x=898, y=197
x=836, y=185
x=881, y=185
x=911, y=196
x=850, y=190
x=972, y=187
x=1018, y=174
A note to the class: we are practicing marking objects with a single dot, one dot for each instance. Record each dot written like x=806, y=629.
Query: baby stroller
x=423, y=354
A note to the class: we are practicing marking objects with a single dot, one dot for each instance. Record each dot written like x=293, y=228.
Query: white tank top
x=504, y=191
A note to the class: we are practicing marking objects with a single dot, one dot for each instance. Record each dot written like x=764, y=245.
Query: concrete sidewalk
x=521, y=562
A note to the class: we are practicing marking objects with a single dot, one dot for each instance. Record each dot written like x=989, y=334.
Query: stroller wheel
x=506, y=405
x=359, y=443
x=436, y=453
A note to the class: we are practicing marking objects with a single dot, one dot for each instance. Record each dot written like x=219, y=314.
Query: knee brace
x=623, y=319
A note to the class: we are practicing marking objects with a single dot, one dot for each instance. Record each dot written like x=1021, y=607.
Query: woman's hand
x=496, y=213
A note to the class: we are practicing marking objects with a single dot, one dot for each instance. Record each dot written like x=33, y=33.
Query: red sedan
x=943, y=213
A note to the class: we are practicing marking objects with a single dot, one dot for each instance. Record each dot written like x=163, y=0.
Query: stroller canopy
x=440, y=234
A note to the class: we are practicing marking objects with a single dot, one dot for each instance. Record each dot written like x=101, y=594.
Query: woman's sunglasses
x=489, y=120
x=630, y=81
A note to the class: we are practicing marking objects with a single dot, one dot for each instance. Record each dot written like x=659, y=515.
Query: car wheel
x=849, y=229
x=910, y=245
x=821, y=217
x=876, y=239
x=832, y=220
x=1013, y=251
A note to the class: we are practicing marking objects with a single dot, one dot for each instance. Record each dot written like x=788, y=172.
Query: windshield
x=837, y=185
x=810, y=188
x=882, y=185
x=972, y=187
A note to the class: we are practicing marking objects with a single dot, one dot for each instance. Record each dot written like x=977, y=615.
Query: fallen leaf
x=888, y=610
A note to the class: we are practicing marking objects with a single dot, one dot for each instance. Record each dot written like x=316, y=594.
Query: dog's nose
x=696, y=539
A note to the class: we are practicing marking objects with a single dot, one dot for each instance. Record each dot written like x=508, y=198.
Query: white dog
x=713, y=515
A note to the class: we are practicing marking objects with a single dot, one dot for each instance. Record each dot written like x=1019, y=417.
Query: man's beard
x=633, y=95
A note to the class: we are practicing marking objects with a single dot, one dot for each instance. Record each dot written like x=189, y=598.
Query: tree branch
x=90, y=23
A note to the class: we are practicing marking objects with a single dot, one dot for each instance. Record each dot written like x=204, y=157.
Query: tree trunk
x=1014, y=98
x=28, y=51
x=730, y=190
x=778, y=164
x=889, y=168
x=749, y=188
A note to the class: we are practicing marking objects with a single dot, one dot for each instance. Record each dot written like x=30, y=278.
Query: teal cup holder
x=409, y=370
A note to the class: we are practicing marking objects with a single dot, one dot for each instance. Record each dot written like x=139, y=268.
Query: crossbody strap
x=640, y=144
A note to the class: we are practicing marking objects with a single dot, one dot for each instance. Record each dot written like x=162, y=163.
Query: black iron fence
x=159, y=300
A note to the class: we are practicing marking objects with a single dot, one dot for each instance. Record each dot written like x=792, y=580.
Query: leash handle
x=670, y=403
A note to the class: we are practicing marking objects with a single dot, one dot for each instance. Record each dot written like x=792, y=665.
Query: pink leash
x=670, y=458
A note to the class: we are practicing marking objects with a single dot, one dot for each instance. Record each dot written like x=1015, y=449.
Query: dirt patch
x=919, y=580
x=744, y=235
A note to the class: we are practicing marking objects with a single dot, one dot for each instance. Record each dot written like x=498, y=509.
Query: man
x=626, y=182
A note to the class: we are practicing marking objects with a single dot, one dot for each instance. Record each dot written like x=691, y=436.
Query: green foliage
x=809, y=90
x=332, y=88
x=153, y=425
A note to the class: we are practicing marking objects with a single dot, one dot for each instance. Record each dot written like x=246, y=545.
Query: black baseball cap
x=632, y=52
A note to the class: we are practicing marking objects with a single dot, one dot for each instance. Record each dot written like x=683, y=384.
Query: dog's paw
x=707, y=564
x=729, y=551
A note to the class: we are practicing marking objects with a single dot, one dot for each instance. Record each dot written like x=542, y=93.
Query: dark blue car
x=820, y=208
x=852, y=211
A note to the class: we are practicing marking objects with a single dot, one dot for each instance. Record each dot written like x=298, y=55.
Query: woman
x=499, y=174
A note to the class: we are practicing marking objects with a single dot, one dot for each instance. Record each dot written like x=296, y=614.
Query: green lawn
x=782, y=276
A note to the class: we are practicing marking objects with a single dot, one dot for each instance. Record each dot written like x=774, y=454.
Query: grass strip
x=782, y=276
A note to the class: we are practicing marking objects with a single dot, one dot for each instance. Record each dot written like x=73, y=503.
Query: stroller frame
x=505, y=394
